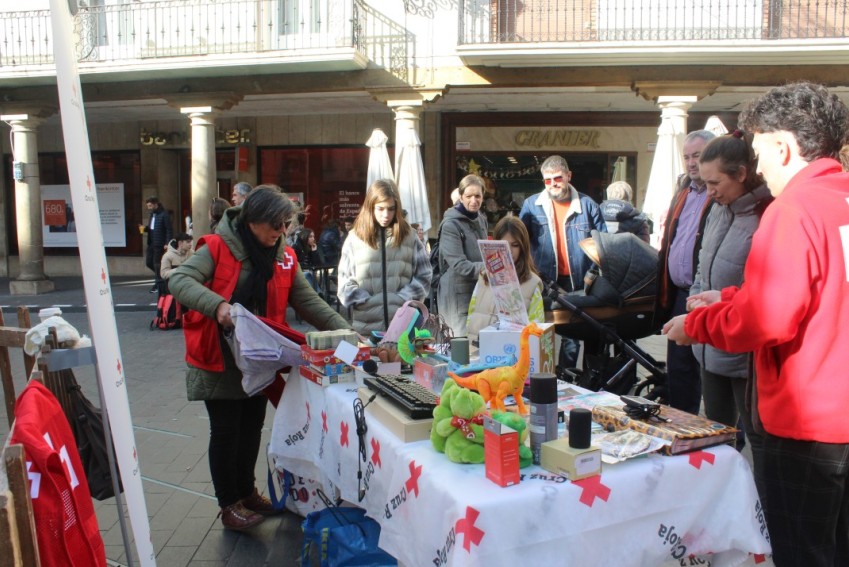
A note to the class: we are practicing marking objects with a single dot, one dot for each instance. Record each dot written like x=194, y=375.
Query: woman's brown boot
x=238, y=518
x=258, y=503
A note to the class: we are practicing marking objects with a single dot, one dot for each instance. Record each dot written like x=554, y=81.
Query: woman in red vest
x=245, y=262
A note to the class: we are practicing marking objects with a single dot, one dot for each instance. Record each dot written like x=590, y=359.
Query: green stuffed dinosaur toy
x=457, y=427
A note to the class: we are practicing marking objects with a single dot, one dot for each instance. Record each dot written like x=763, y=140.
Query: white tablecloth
x=641, y=512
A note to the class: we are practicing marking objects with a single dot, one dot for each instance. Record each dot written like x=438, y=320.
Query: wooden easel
x=13, y=337
x=17, y=525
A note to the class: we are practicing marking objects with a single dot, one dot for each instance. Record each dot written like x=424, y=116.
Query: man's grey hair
x=555, y=163
x=242, y=188
x=705, y=135
x=620, y=191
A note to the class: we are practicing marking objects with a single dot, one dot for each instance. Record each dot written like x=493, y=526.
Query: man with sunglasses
x=677, y=262
x=557, y=219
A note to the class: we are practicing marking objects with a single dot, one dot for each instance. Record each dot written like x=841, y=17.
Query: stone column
x=204, y=188
x=673, y=115
x=202, y=109
x=31, y=279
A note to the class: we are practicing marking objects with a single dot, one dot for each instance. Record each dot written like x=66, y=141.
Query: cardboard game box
x=326, y=357
x=323, y=380
x=500, y=346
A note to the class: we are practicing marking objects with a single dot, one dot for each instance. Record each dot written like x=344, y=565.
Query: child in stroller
x=617, y=307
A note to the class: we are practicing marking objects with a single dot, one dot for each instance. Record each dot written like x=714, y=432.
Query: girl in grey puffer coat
x=383, y=264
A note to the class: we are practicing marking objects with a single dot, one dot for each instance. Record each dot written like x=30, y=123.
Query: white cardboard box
x=500, y=346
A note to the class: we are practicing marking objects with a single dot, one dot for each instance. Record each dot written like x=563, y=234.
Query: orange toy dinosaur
x=497, y=383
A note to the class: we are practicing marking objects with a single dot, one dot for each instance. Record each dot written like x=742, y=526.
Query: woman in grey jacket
x=728, y=167
x=459, y=256
x=383, y=262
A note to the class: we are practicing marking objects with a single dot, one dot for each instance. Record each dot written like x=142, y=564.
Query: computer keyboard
x=411, y=397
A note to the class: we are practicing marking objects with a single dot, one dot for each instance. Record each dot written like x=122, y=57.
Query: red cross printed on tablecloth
x=118, y=366
x=592, y=488
x=343, y=440
x=759, y=558
x=375, y=452
x=88, y=183
x=324, y=421
x=308, y=411
x=699, y=457
x=412, y=484
x=467, y=526
x=103, y=276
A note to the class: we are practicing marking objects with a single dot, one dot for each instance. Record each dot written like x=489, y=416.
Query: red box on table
x=501, y=452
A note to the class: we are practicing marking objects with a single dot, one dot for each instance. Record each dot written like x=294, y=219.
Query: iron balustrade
x=143, y=32
x=539, y=21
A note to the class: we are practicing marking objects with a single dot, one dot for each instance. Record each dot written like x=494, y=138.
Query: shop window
x=109, y=167
x=331, y=182
x=512, y=177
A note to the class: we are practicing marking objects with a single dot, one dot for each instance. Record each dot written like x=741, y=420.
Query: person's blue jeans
x=310, y=276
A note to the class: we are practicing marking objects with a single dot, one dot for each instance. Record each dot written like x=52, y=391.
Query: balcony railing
x=188, y=28
x=538, y=21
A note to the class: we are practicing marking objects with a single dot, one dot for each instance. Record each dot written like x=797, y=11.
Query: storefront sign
x=557, y=138
x=175, y=138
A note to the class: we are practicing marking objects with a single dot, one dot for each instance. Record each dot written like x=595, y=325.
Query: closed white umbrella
x=666, y=167
x=715, y=125
x=379, y=166
x=411, y=178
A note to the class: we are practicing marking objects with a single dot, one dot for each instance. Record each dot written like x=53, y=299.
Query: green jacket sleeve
x=187, y=283
x=312, y=308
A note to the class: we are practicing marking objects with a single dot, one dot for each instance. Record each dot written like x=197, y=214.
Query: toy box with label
x=325, y=357
x=314, y=375
x=430, y=372
x=499, y=346
x=501, y=453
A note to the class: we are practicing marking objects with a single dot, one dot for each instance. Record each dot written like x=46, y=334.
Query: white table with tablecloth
x=642, y=512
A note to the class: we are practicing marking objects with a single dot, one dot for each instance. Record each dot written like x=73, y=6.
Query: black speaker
x=580, y=424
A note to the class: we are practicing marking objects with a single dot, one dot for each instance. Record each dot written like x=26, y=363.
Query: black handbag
x=86, y=422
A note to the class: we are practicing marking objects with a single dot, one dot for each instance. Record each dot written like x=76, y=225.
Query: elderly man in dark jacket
x=159, y=233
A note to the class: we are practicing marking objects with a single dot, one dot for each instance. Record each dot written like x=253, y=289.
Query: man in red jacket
x=793, y=312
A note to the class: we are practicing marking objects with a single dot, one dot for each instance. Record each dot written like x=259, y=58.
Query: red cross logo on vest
x=592, y=488
x=699, y=457
x=287, y=261
x=467, y=527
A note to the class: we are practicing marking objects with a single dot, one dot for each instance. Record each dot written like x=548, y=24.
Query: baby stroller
x=616, y=307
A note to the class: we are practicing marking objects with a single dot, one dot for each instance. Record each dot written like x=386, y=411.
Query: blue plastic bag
x=345, y=538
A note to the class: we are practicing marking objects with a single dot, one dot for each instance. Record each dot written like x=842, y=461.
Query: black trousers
x=807, y=492
x=153, y=260
x=235, y=429
x=570, y=348
x=682, y=368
